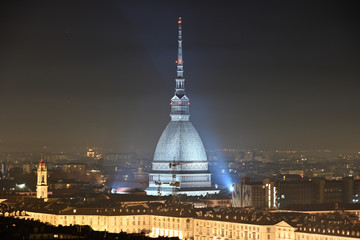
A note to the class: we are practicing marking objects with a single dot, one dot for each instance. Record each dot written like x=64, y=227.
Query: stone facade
x=189, y=227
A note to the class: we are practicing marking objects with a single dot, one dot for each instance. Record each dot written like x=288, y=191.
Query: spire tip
x=42, y=162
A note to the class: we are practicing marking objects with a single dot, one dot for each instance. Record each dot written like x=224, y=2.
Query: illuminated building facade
x=90, y=153
x=186, y=223
x=180, y=164
x=41, y=186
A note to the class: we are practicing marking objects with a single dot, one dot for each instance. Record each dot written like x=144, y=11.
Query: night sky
x=259, y=74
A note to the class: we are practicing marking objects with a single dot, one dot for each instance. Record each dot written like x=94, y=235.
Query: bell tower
x=41, y=186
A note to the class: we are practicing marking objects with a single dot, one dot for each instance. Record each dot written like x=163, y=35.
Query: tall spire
x=180, y=102
x=180, y=67
x=180, y=81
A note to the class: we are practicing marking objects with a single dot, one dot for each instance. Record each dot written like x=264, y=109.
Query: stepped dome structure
x=180, y=163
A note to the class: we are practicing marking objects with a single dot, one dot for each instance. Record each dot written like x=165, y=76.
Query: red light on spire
x=42, y=163
x=179, y=20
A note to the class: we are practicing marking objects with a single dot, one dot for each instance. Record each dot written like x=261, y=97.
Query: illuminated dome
x=180, y=164
x=181, y=142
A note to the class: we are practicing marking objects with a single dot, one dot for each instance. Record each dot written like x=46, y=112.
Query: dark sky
x=260, y=74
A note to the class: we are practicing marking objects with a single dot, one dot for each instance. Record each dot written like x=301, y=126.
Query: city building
x=287, y=193
x=180, y=164
x=75, y=167
x=3, y=170
x=90, y=153
x=186, y=222
x=254, y=194
x=41, y=186
x=296, y=192
x=157, y=218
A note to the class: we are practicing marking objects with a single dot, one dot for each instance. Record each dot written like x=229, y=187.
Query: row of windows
x=231, y=230
x=226, y=225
